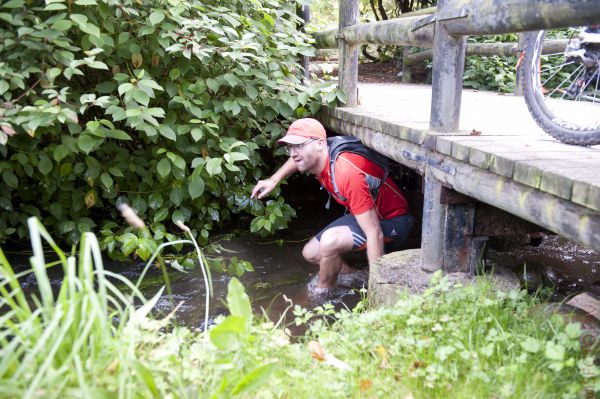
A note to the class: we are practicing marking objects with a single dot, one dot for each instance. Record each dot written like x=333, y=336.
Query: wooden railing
x=453, y=21
x=445, y=32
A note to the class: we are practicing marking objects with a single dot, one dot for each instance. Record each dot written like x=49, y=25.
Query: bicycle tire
x=569, y=132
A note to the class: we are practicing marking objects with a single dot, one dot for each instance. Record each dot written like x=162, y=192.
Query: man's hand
x=262, y=188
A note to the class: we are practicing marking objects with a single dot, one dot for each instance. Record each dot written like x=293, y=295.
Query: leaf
x=176, y=196
x=87, y=143
x=197, y=134
x=316, y=350
x=4, y=86
x=45, y=165
x=137, y=60
x=61, y=25
x=163, y=167
x=213, y=85
x=177, y=160
x=238, y=301
x=161, y=215
x=149, y=83
x=156, y=17
x=117, y=134
x=365, y=385
x=213, y=166
x=91, y=197
x=155, y=200
x=382, y=352
x=141, y=97
x=554, y=351
x=174, y=73
x=253, y=379
x=226, y=336
x=10, y=178
x=148, y=378
x=166, y=131
x=531, y=345
x=196, y=186
x=178, y=216
x=235, y=156
x=8, y=130
x=116, y=172
x=157, y=112
x=124, y=88
x=573, y=330
x=107, y=180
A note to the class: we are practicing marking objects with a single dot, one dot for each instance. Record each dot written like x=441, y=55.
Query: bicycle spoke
x=554, y=54
x=558, y=69
x=580, y=68
x=597, y=81
x=551, y=67
x=566, y=91
x=587, y=97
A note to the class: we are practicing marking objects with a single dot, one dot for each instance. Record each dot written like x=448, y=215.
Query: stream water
x=281, y=272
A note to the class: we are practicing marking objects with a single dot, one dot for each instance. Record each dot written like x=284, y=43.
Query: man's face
x=306, y=155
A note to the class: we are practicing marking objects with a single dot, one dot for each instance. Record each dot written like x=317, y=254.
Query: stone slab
x=401, y=271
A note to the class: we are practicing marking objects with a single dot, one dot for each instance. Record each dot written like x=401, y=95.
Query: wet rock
x=393, y=272
x=531, y=280
x=401, y=271
x=587, y=302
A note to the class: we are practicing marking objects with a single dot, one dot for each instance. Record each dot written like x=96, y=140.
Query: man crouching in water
x=370, y=221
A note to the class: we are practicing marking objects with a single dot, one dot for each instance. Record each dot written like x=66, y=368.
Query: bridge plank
x=556, y=177
x=508, y=162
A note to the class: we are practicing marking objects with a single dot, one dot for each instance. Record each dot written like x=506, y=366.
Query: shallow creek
x=281, y=271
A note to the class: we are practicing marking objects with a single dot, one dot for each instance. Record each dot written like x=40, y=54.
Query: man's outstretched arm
x=264, y=187
x=369, y=223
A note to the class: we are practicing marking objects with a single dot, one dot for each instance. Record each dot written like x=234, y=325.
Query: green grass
x=90, y=341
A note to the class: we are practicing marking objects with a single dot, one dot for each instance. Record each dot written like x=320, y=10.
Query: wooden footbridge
x=480, y=153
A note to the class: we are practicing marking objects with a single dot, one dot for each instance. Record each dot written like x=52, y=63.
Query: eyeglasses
x=300, y=146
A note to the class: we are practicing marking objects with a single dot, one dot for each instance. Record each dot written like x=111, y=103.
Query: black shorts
x=395, y=229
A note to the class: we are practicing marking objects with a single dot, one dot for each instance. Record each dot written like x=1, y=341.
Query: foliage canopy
x=169, y=105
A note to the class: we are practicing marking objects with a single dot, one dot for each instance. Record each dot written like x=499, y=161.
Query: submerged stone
x=401, y=271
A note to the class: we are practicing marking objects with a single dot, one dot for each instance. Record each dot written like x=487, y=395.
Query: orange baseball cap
x=303, y=129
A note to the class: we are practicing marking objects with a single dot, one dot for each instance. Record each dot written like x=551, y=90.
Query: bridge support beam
x=448, y=239
x=432, y=237
x=462, y=250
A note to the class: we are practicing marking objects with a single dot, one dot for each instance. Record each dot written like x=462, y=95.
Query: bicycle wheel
x=562, y=91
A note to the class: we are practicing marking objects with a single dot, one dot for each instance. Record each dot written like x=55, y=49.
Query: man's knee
x=332, y=242
x=310, y=252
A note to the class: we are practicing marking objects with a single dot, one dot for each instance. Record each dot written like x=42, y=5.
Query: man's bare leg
x=334, y=242
x=312, y=254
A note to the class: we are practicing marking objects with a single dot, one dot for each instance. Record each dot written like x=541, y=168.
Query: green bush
x=172, y=106
x=494, y=73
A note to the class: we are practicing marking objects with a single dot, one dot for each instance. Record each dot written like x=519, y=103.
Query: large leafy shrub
x=170, y=105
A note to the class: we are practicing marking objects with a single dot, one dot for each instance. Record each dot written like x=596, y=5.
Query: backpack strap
x=339, y=144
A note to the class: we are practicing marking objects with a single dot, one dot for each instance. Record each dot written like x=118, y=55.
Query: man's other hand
x=262, y=188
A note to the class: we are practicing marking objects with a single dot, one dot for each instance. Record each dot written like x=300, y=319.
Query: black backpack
x=339, y=144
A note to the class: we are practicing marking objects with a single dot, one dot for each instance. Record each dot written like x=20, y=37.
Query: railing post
x=448, y=70
x=519, y=83
x=305, y=15
x=348, y=54
x=406, y=67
